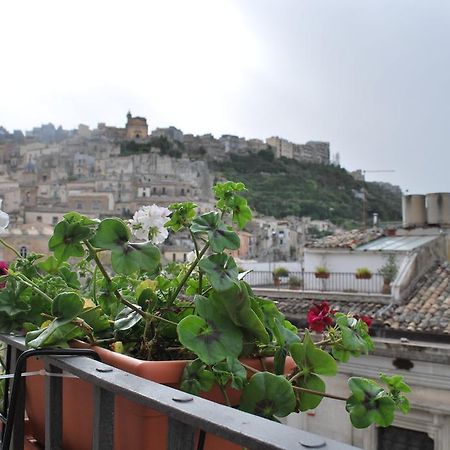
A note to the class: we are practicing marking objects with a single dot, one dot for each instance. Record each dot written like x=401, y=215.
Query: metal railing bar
x=180, y=436
x=103, y=425
x=53, y=409
x=14, y=429
x=239, y=427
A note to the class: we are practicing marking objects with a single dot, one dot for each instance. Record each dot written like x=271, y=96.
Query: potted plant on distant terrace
x=388, y=271
x=321, y=272
x=196, y=326
x=295, y=282
x=278, y=273
x=363, y=273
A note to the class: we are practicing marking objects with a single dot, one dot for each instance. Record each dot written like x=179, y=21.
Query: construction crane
x=364, y=192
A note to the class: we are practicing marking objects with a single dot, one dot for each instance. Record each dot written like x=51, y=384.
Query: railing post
x=180, y=436
x=103, y=421
x=18, y=432
x=53, y=409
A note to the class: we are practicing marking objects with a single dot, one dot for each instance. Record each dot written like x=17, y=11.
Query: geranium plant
x=104, y=286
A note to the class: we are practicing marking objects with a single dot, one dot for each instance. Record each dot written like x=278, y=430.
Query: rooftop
x=396, y=243
x=347, y=239
x=425, y=312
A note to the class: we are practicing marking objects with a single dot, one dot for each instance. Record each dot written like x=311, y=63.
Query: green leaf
x=96, y=319
x=221, y=271
x=307, y=400
x=233, y=370
x=50, y=265
x=67, y=305
x=211, y=334
x=242, y=214
x=237, y=302
x=395, y=382
x=56, y=334
x=369, y=404
x=135, y=256
x=126, y=319
x=71, y=278
x=112, y=234
x=268, y=395
x=197, y=378
x=67, y=238
x=219, y=235
x=311, y=359
x=182, y=215
x=11, y=303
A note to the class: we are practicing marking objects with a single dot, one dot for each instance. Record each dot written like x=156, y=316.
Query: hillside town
x=49, y=171
x=301, y=263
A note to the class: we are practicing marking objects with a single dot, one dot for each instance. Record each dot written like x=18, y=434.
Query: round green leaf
x=67, y=305
x=66, y=240
x=268, y=395
x=307, y=400
x=111, y=234
x=208, y=340
x=221, y=271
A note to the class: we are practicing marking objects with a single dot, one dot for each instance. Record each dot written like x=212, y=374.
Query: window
x=395, y=438
x=163, y=190
x=23, y=251
x=174, y=257
x=54, y=220
x=184, y=257
x=143, y=193
x=154, y=190
x=38, y=218
x=79, y=205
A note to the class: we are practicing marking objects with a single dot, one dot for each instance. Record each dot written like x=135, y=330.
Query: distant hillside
x=283, y=187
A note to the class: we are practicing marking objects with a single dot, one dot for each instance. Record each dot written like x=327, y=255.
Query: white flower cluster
x=4, y=217
x=148, y=223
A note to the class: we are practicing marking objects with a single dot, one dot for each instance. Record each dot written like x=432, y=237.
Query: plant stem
x=309, y=391
x=10, y=247
x=200, y=275
x=21, y=277
x=225, y=395
x=322, y=394
x=77, y=322
x=117, y=293
x=294, y=377
x=188, y=273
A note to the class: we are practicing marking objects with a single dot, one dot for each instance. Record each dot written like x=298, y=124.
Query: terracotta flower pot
x=136, y=427
x=323, y=275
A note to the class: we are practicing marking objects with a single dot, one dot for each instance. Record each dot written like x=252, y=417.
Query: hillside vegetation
x=283, y=187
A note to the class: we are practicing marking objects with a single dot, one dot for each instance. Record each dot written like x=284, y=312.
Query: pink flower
x=3, y=271
x=319, y=317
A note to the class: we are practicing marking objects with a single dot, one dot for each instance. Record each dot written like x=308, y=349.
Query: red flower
x=3, y=271
x=319, y=317
x=366, y=319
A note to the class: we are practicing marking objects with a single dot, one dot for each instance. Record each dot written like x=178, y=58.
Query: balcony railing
x=307, y=281
x=186, y=413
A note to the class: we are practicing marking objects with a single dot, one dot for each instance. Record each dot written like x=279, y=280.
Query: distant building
x=136, y=127
x=171, y=133
x=281, y=147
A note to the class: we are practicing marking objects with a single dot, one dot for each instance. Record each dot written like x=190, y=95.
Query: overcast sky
x=372, y=77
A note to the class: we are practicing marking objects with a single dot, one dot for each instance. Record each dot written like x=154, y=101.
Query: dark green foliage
x=283, y=187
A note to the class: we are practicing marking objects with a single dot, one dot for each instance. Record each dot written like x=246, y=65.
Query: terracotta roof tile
x=347, y=239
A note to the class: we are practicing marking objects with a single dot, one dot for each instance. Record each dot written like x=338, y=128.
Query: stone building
x=281, y=147
x=136, y=127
